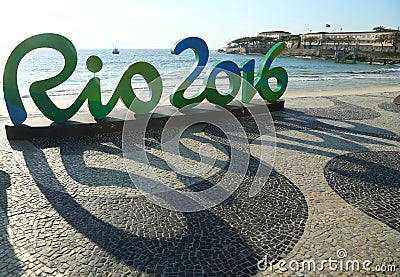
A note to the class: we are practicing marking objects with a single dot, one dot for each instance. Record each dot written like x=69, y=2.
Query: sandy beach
x=69, y=206
x=343, y=92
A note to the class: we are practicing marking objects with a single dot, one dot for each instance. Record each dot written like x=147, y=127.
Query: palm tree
x=294, y=39
x=297, y=40
x=335, y=42
x=310, y=40
x=381, y=39
x=327, y=40
x=381, y=29
x=340, y=40
x=348, y=40
x=393, y=39
x=266, y=40
x=241, y=42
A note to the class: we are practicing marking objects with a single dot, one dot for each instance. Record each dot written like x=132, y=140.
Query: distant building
x=277, y=35
x=365, y=41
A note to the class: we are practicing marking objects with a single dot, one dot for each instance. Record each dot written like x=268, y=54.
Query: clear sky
x=159, y=24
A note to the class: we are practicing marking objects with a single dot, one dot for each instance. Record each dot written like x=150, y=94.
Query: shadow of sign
x=10, y=264
x=369, y=181
x=114, y=232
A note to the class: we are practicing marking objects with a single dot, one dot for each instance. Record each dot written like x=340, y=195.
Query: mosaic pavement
x=69, y=208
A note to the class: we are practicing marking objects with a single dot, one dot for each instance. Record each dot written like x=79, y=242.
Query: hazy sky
x=159, y=24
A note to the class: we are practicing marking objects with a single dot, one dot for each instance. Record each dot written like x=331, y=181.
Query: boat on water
x=115, y=50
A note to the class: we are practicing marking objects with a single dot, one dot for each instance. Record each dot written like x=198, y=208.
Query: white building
x=367, y=41
x=276, y=35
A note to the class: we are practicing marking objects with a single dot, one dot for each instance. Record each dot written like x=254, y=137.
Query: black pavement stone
x=226, y=240
x=390, y=106
x=343, y=111
x=369, y=181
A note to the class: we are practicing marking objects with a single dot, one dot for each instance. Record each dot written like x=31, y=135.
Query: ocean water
x=304, y=74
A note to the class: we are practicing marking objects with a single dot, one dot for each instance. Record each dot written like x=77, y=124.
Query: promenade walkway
x=69, y=208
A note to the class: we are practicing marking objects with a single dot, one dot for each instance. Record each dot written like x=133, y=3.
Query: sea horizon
x=304, y=74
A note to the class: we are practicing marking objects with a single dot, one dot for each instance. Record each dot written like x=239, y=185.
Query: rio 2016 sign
x=91, y=91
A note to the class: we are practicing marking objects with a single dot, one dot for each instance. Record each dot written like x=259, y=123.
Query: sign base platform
x=83, y=124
